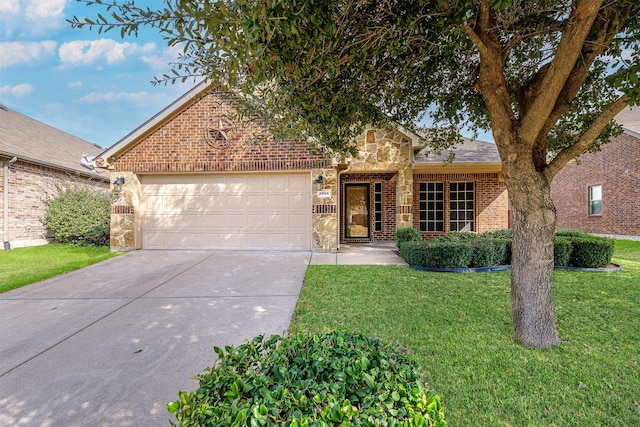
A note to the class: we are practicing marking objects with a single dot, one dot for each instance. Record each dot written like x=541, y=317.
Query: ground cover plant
x=460, y=329
x=22, y=266
x=315, y=379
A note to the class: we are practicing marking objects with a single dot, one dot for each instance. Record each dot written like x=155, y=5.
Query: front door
x=357, y=221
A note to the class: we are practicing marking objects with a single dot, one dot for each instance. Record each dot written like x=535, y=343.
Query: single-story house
x=193, y=177
x=600, y=192
x=37, y=161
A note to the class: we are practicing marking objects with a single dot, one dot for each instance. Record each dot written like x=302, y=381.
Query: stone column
x=124, y=236
x=324, y=216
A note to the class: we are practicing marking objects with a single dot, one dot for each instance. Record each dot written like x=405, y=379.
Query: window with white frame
x=462, y=206
x=595, y=200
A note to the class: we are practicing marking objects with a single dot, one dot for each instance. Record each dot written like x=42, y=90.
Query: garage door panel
x=253, y=211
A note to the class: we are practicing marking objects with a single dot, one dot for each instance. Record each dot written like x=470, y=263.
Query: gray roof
x=35, y=142
x=630, y=119
x=471, y=151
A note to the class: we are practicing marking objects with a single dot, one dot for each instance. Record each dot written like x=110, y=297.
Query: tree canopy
x=329, y=68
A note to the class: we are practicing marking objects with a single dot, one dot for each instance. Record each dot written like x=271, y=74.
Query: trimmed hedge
x=333, y=379
x=437, y=254
x=407, y=234
x=591, y=252
x=464, y=250
x=562, y=251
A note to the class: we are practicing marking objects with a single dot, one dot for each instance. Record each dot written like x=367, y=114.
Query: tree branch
x=586, y=139
x=576, y=30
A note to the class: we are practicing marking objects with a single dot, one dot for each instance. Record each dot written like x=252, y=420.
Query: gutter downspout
x=5, y=174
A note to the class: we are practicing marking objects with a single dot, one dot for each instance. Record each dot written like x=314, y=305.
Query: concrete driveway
x=111, y=344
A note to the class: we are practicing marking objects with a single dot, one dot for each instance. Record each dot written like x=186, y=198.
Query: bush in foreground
x=310, y=380
x=79, y=217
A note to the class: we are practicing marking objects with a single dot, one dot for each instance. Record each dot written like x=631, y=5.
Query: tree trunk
x=534, y=222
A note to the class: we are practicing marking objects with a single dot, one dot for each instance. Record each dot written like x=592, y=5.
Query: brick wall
x=30, y=186
x=491, y=200
x=617, y=168
x=180, y=145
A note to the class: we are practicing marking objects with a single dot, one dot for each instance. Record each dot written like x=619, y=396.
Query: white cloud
x=113, y=97
x=86, y=52
x=160, y=63
x=31, y=17
x=25, y=53
x=17, y=91
x=75, y=85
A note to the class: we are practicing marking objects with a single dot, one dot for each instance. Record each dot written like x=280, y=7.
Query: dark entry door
x=357, y=220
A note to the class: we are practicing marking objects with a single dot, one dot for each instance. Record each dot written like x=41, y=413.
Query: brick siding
x=30, y=186
x=179, y=145
x=617, y=168
x=491, y=200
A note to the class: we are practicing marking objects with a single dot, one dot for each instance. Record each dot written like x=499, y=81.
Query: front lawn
x=22, y=266
x=459, y=327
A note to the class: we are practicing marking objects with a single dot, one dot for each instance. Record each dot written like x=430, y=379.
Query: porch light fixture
x=117, y=185
x=319, y=183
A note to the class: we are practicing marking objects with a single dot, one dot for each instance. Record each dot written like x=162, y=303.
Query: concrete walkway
x=111, y=344
x=360, y=254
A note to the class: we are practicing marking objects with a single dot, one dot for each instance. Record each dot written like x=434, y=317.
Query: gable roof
x=156, y=121
x=35, y=142
x=630, y=120
x=470, y=151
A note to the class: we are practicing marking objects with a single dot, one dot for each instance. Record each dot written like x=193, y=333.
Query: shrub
x=572, y=233
x=455, y=236
x=561, y=251
x=489, y=252
x=310, y=379
x=592, y=252
x=437, y=254
x=407, y=234
x=506, y=233
x=79, y=217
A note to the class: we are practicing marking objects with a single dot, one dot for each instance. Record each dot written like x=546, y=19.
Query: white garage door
x=226, y=211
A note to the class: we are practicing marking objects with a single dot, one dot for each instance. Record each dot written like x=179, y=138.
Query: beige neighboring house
x=600, y=193
x=192, y=177
x=36, y=161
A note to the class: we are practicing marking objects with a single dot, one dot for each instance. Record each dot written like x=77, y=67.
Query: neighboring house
x=37, y=161
x=600, y=192
x=191, y=178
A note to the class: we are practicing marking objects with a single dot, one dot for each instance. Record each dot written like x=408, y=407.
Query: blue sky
x=94, y=86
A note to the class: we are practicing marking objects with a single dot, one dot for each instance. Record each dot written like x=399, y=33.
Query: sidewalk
x=359, y=254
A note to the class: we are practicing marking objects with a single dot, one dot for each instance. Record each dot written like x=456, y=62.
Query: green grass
x=22, y=266
x=460, y=329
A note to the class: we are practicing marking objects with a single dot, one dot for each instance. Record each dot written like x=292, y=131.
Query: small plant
x=407, y=234
x=333, y=379
x=79, y=217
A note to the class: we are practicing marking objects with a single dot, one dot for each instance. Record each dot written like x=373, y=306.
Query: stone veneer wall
x=617, y=168
x=324, y=218
x=30, y=186
x=125, y=235
x=491, y=200
x=387, y=150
